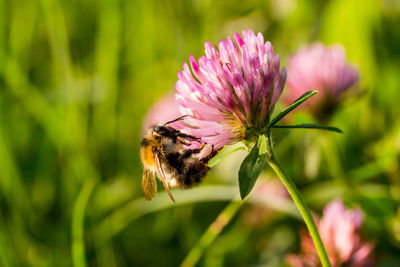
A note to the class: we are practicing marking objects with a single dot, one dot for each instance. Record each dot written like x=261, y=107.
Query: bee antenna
x=177, y=119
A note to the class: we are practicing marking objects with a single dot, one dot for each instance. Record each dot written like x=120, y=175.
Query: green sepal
x=294, y=105
x=310, y=126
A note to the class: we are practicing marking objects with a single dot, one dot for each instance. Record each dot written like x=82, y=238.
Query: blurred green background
x=76, y=80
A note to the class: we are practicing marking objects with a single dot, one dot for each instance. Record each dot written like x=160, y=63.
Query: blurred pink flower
x=322, y=68
x=230, y=89
x=339, y=229
x=267, y=188
x=164, y=110
x=268, y=197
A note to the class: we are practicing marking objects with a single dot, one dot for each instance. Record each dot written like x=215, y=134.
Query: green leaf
x=294, y=105
x=223, y=154
x=310, y=126
x=252, y=166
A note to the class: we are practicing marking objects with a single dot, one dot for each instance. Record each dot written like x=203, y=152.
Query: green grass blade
x=78, y=216
x=223, y=154
x=212, y=232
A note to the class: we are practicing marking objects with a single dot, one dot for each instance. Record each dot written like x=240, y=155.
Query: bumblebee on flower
x=227, y=96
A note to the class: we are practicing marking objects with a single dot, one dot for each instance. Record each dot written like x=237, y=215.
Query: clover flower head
x=340, y=231
x=322, y=68
x=231, y=89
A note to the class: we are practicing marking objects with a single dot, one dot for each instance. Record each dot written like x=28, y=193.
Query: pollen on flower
x=230, y=89
x=238, y=129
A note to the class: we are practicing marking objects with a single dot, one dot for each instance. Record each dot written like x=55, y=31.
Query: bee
x=164, y=151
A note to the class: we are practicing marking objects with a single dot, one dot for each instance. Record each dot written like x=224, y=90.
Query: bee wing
x=162, y=177
x=149, y=184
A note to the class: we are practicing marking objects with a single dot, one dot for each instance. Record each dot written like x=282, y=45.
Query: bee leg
x=211, y=155
x=181, y=138
x=183, y=141
x=187, y=136
x=190, y=152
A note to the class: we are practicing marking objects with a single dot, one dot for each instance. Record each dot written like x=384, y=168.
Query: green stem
x=305, y=212
x=212, y=232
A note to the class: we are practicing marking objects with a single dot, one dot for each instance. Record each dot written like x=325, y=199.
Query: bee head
x=161, y=131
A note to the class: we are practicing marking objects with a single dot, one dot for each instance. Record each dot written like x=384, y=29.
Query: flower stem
x=305, y=212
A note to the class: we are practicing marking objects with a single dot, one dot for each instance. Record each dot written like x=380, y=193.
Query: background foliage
x=76, y=80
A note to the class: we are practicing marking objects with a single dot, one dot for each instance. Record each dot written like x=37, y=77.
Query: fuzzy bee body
x=163, y=152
